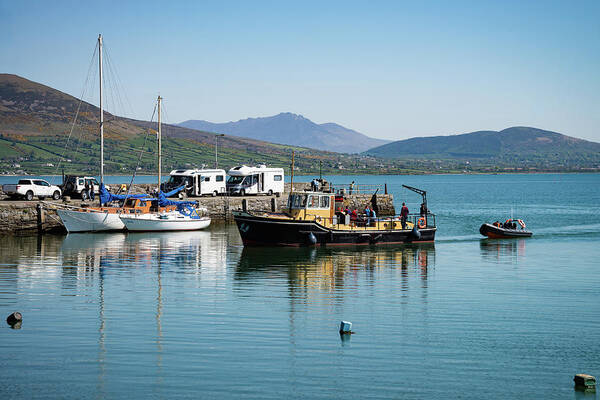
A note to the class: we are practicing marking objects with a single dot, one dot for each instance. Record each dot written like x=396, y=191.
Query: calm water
x=196, y=315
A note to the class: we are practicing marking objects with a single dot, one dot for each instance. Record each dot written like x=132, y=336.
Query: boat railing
x=357, y=188
x=390, y=222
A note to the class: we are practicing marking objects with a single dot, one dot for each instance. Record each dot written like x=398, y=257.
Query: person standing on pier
x=403, y=215
x=351, y=187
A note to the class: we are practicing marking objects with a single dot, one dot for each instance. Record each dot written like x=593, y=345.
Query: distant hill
x=293, y=129
x=522, y=144
x=35, y=121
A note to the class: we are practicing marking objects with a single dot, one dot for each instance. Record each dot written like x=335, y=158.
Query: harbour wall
x=25, y=217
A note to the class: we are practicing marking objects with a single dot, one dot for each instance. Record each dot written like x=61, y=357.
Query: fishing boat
x=310, y=220
x=183, y=215
x=511, y=228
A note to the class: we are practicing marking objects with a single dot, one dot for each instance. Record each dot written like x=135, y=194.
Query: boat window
x=130, y=203
x=206, y=179
x=324, y=201
x=313, y=201
x=277, y=178
x=297, y=201
x=219, y=178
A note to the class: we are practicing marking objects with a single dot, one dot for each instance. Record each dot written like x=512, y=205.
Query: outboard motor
x=311, y=239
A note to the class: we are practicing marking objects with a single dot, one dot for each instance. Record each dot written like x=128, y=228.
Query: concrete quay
x=26, y=217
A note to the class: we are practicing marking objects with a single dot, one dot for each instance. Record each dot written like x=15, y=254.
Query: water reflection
x=502, y=250
x=333, y=268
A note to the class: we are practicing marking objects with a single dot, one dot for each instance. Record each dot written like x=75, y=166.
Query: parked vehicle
x=28, y=188
x=198, y=182
x=255, y=180
x=79, y=186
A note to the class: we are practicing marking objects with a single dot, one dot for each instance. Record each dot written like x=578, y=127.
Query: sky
x=390, y=70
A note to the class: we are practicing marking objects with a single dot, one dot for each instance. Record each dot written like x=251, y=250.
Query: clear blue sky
x=388, y=69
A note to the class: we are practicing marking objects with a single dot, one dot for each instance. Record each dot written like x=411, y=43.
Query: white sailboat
x=187, y=219
x=169, y=221
x=93, y=219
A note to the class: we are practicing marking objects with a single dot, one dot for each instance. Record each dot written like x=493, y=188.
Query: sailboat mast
x=159, y=143
x=101, y=112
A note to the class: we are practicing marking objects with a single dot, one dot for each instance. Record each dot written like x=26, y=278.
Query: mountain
x=522, y=144
x=293, y=129
x=35, y=132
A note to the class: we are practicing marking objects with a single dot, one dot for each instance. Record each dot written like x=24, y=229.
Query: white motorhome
x=255, y=180
x=197, y=182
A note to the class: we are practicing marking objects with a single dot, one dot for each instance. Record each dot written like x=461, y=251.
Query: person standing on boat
x=314, y=185
x=423, y=212
x=367, y=212
x=403, y=215
x=374, y=216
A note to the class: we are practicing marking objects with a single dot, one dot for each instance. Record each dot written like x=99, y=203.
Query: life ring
x=421, y=223
x=520, y=221
x=185, y=211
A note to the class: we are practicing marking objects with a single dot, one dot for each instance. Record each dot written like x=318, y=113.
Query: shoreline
x=21, y=217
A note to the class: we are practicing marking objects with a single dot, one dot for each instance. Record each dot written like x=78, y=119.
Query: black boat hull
x=269, y=231
x=495, y=232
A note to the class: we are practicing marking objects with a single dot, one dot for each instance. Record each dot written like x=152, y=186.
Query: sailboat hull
x=151, y=222
x=90, y=221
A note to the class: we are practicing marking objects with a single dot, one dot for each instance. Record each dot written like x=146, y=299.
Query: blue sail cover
x=187, y=208
x=107, y=197
x=163, y=201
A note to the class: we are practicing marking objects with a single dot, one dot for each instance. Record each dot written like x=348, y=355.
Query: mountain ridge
x=518, y=142
x=293, y=129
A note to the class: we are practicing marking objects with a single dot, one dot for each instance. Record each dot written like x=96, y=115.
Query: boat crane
x=423, y=193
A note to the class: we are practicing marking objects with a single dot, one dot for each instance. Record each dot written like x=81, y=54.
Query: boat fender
x=375, y=239
x=421, y=223
x=312, y=240
x=415, y=233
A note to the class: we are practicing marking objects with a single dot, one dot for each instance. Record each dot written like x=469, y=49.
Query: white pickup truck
x=28, y=188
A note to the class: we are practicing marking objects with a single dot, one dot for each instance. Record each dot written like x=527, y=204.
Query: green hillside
x=521, y=146
x=35, y=121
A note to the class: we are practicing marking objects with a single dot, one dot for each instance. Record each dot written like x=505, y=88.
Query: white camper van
x=255, y=180
x=197, y=182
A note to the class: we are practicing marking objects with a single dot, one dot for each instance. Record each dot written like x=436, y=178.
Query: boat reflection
x=334, y=267
x=197, y=250
x=504, y=250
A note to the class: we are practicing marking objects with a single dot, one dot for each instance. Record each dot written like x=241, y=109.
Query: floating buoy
x=345, y=327
x=13, y=318
x=585, y=381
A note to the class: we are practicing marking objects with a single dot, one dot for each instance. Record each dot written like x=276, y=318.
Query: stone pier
x=24, y=216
